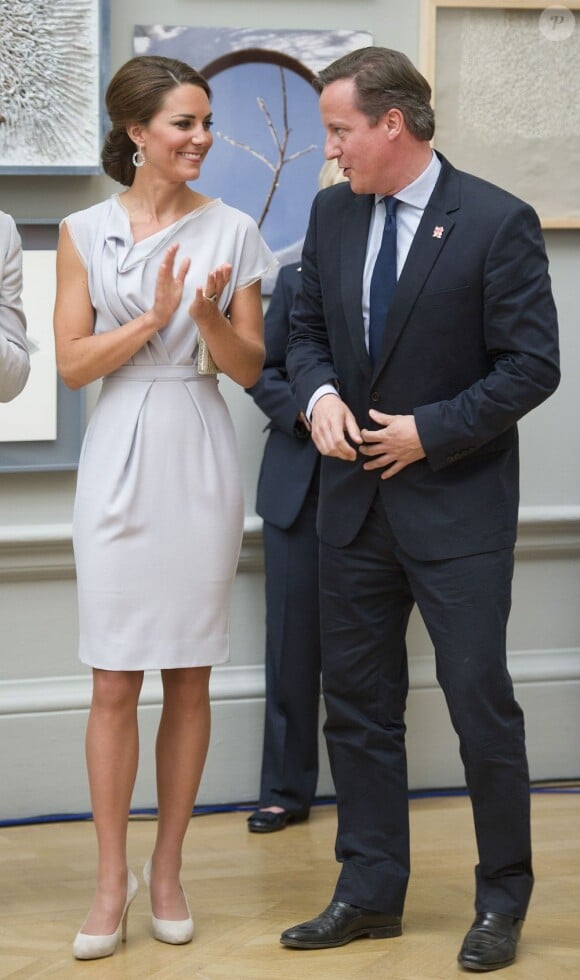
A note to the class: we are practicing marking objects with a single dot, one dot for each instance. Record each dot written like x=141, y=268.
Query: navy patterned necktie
x=384, y=279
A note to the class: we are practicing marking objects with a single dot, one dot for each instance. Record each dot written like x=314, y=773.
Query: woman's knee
x=116, y=689
x=187, y=688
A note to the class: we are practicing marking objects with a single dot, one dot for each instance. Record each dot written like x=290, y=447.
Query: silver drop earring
x=138, y=157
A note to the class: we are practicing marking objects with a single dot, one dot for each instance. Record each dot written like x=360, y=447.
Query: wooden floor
x=244, y=889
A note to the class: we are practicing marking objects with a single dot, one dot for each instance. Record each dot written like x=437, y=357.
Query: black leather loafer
x=338, y=924
x=266, y=822
x=491, y=942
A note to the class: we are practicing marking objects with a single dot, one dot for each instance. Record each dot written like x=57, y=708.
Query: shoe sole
x=266, y=830
x=480, y=968
x=383, y=932
x=274, y=830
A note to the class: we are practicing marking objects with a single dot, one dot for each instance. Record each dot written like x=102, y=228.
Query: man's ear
x=394, y=123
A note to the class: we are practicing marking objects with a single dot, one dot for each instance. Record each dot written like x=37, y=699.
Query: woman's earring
x=138, y=157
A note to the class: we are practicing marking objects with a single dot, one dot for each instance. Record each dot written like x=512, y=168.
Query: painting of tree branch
x=280, y=140
x=269, y=141
x=52, y=66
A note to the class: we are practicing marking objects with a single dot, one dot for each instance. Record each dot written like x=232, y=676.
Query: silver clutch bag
x=205, y=362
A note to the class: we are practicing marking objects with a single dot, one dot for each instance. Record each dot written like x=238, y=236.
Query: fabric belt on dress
x=158, y=372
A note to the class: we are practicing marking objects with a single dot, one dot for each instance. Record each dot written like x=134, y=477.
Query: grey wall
x=44, y=692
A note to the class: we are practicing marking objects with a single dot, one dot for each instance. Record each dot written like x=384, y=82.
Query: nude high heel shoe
x=174, y=931
x=86, y=947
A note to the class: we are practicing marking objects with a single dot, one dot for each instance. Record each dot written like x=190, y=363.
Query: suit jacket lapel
x=430, y=238
x=353, y=246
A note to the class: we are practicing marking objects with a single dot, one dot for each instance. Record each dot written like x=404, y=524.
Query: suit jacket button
x=375, y=396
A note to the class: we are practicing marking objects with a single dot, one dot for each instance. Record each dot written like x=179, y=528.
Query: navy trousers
x=367, y=591
x=290, y=753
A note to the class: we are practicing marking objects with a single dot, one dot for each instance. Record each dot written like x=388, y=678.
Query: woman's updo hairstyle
x=134, y=95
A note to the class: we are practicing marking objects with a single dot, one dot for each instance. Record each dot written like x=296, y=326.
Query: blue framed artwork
x=52, y=75
x=42, y=429
x=268, y=138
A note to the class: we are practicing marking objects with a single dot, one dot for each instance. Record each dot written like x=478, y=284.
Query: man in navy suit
x=287, y=500
x=418, y=487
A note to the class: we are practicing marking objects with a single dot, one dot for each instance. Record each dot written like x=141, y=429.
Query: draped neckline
x=131, y=253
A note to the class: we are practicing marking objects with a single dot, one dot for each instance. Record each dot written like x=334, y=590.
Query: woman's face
x=178, y=137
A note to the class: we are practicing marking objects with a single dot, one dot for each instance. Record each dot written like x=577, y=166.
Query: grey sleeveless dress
x=158, y=515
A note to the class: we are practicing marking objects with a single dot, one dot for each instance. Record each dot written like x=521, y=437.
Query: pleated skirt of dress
x=158, y=522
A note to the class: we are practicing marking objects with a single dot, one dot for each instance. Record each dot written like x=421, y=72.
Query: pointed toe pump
x=86, y=947
x=173, y=931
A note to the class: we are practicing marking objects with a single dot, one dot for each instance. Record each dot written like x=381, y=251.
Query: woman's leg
x=182, y=744
x=112, y=750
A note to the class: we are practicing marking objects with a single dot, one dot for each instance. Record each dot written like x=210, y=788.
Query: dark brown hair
x=385, y=79
x=134, y=95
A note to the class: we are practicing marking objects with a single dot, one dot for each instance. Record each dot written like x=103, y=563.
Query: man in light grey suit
x=14, y=357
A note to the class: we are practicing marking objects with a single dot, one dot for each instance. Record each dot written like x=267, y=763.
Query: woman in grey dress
x=158, y=511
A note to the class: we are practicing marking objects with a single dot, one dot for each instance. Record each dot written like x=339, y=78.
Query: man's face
x=363, y=152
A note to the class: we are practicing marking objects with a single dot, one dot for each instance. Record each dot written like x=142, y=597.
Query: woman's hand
x=206, y=299
x=169, y=286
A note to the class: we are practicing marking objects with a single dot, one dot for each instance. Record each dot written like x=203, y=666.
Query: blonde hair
x=330, y=173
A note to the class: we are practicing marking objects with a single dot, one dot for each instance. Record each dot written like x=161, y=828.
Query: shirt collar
x=418, y=192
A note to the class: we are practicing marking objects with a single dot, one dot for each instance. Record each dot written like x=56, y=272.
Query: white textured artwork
x=541, y=101
x=507, y=105
x=50, y=85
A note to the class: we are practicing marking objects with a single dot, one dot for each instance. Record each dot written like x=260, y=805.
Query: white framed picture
x=507, y=97
x=41, y=429
x=53, y=67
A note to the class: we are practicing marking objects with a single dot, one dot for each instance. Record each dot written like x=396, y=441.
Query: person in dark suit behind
x=14, y=356
x=419, y=484
x=287, y=500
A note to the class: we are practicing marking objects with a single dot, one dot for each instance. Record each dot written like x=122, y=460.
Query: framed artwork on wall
x=53, y=68
x=268, y=138
x=42, y=428
x=506, y=92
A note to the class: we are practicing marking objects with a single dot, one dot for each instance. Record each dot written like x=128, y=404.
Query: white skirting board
x=45, y=693
x=43, y=770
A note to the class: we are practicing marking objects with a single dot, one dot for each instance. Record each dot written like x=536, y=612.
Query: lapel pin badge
x=438, y=231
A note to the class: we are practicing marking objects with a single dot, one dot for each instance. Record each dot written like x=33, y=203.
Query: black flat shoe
x=338, y=924
x=491, y=942
x=266, y=822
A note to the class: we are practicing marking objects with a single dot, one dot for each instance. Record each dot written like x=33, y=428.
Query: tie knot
x=390, y=205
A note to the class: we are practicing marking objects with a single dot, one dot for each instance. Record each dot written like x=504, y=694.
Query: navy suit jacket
x=290, y=457
x=470, y=346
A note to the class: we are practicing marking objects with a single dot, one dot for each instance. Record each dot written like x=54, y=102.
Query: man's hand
x=302, y=420
x=394, y=446
x=331, y=420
